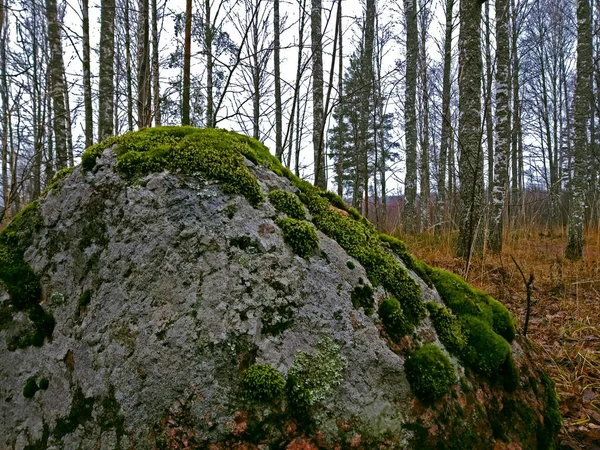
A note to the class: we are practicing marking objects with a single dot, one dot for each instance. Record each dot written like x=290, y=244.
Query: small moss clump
x=486, y=351
x=30, y=388
x=85, y=298
x=314, y=376
x=462, y=299
x=44, y=384
x=287, y=203
x=212, y=153
x=262, y=383
x=300, y=235
x=362, y=297
x=430, y=373
x=60, y=175
x=393, y=318
x=547, y=433
x=350, y=265
x=448, y=328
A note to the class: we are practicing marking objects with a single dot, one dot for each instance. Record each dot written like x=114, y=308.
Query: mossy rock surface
x=182, y=288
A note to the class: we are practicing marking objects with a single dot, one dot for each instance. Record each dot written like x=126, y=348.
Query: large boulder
x=181, y=289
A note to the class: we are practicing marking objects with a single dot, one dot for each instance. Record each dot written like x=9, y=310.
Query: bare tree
x=317, y=92
x=187, y=56
x=470, y=131
x=107, y=54
x=503, y=131
x=57, y=76
x=410, y=116
x=583, y=92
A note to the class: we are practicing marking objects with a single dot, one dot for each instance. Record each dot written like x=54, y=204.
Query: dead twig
x=528, y=289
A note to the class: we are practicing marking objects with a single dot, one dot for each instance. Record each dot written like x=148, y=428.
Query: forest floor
x=564, y=320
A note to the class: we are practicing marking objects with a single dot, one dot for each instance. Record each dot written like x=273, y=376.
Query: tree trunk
x=5, y=111
x=410, y=117
x=503, y=131
x=316, y=36
x=107, y=71
x=446, y=119
x=489, y=126
x=469, y=130
x=143, y=78
x=128, y=73
x=87, y=76
x=68, y=122
x=55, y=68
x=276, y=63
x=366, y=101
x=425, y=186
x=187, y=56
x=340, y=156
x=156, y=65
x=581, y=103
x=208, y=44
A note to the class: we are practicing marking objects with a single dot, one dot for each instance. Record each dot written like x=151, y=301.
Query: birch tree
x=470, y=170
x=583, y=91
x=503, y=131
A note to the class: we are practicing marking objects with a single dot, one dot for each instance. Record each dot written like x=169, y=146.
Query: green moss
x=334, y=199
x=361, y=240
x=212, y=153
x=394, y=321
x=300, y=235
x=362, y=297
x=430, y=373
x=462, y=299
x=44, y=384
x=350, y=265
x=21, y=283
x=448, y=328
x=486, y=351
x=509, y=374
x=85, y=298
x=288, y=204
x=262, y=383
x=30, y=388
x=314, y=377
x=550, y=428
x=60, y=175
x=400, y=249
x=80, y=413
x=354, y=213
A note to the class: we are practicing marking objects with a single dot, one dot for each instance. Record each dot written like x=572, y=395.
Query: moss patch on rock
x=215, y=154
x=300, y=235
x=448, y=328
x=262, y=383
x=288, y=204
x=395, y=323
x=463, y=298
x=362, y=297
x=361, y=240
x=430, y=373
x=21, y=283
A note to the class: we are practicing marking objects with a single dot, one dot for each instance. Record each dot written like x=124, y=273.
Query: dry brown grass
x=565, y=312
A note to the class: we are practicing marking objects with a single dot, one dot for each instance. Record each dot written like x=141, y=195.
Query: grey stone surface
x=185, y=283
